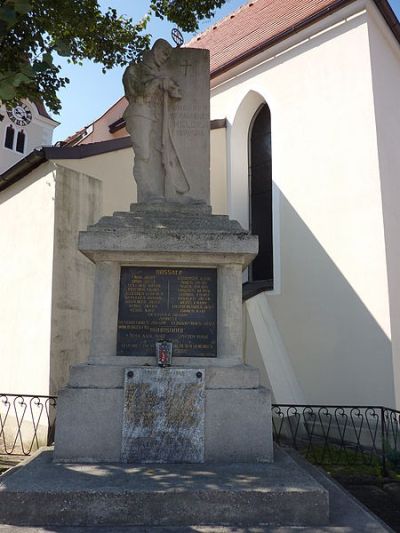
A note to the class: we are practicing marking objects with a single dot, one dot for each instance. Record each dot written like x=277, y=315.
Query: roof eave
x=46, y=153
x=390, y=17
x=383, y=6
x=23, y=167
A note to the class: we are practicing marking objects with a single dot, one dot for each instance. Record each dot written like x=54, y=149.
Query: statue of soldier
x=151, y=93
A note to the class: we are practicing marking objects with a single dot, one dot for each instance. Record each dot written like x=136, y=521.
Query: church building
x=23, y=128
x=305, y=126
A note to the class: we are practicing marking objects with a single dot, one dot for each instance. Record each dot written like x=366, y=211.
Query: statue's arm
x=128, y=81
x=165, y=84
x=174, y=90
x=151, y=85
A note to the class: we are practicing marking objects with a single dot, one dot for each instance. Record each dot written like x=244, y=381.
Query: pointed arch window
x=260, y=184
x=9, y=138
x=20, y=146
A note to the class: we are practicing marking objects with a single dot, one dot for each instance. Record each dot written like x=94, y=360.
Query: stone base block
x=89, y=425
x=48, y=494
x=238, y=422
x=238, y=426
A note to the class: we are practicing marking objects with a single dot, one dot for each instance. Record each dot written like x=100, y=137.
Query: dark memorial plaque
x=176, y=304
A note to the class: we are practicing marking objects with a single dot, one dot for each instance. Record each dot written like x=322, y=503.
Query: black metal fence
x=326, y=435
x=340, y=435
x=26, y=423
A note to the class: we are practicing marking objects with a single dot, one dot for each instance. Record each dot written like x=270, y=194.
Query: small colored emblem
x=164, y=353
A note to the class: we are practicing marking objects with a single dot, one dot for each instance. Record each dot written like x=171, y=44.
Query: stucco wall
x=78, y=203
x=385, y=59
x=218, y=177
x=331, y=303
x=26, y=270
x=114, y=170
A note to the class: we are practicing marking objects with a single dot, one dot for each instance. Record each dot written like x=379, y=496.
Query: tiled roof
x=259, y=24
x=74, y=138
x=42, y=110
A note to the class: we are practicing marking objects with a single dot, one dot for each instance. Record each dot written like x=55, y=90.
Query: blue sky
x=90, y=92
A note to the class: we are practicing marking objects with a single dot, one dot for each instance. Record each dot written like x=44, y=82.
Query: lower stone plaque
x=163, y=418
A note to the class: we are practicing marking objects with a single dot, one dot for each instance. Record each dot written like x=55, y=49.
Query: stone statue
x=168, y=119
x=152, y=93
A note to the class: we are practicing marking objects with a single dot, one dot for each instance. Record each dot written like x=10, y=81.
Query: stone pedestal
x=237, y=411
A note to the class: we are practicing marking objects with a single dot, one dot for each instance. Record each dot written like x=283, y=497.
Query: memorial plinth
x=173, y=271
x=167, y=270
x=166, y=236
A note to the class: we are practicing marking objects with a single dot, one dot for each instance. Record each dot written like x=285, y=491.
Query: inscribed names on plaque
x=176, y=304
x=163, y=418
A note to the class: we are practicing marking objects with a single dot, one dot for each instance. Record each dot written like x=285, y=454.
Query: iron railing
x=26, y=423
x=340, y=435
x=326, y=435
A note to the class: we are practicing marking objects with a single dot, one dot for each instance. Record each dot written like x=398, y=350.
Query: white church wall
x=26, y=271
x=385, y=60
x=114, y=170
x=218, y=177
x=332, y=307
x=78, y=203
x=264, y=349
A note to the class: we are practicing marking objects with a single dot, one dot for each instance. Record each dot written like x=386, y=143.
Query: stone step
x=168, y=207
x=43, y=493
x=181, y=220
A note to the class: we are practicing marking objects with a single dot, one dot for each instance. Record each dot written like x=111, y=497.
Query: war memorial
x=168, y=269
x=143, y=439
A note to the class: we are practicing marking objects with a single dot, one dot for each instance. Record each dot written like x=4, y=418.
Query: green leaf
x=5, y=75
x=47, y=58
x=19, y=79
x=27, y=69
x=8, y=14
x=7, y=92
x=62, y=48
x=22, y=6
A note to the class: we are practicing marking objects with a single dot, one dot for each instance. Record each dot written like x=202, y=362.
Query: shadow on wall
x=339, y=352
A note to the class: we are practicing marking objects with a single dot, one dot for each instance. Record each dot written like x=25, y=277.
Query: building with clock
x=23, y=128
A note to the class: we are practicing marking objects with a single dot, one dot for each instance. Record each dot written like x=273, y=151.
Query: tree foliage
x=32, y=32
x=185, y=13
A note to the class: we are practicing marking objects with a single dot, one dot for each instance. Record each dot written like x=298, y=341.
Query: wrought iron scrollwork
x=325, y=434
x=337, y=434
x=26, y=423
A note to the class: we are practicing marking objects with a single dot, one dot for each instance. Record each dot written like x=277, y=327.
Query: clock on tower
x=24, y=126
x=21, y=115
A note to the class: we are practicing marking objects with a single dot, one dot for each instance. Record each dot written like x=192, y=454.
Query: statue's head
x=161, y=51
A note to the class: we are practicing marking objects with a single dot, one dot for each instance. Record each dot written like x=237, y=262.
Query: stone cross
x=168, y=119
x=186, y=65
